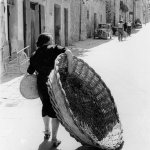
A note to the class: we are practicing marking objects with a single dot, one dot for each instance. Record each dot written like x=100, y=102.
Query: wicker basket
x=84, y=104
x=28, y=87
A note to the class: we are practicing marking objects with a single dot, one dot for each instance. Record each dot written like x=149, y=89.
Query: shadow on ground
x=47, y=145
x=135, y=31
x=87, y=148
x=81, y=48
x=8, y=77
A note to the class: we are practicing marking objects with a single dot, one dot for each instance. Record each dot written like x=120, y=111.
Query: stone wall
x=75, y=18
x=108, y=11
x=97, y=7
x=80, y=20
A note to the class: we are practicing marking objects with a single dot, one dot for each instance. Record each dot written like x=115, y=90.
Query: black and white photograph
x=74, y=74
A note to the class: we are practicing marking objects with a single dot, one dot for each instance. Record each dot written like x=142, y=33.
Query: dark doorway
x=57, y=23
x=66, y=26
x=41, y=18
x=34, y=23
x=95, y=22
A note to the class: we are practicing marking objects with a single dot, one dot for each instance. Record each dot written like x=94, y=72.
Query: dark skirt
x=47, y=109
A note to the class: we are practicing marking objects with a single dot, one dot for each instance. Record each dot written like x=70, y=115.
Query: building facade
x=94, y=14
x=113, y=11
x=127, y=10
x=67, y=20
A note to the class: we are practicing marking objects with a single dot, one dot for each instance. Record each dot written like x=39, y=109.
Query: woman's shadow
x=47, y=145
x=87, y=148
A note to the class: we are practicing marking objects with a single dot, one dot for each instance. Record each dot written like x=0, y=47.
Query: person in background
x=120, y=30
x=129, y=26
x=125, y=26
x=42, y=62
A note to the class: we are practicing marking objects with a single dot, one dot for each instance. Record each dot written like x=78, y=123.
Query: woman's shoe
x=56, y=142
x=47, y=135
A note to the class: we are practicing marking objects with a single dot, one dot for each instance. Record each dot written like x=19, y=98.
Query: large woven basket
x=28, y=87
x=84, y=105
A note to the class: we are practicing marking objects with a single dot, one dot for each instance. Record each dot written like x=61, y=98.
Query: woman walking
x=42, y=62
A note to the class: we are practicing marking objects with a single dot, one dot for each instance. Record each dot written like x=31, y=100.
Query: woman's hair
x=44, y=39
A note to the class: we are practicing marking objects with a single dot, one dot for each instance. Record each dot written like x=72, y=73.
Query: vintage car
x=103, y=31
x=138, y=24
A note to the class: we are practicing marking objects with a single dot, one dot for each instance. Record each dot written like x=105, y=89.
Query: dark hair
x=44, y=39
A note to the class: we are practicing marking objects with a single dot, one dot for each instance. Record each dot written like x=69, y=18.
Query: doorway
x=57, y=23
x=95, y=23
x=66, y=26
x=34, y=23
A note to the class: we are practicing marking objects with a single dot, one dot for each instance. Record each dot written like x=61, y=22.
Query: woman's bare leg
x=55, y=126
x=46, y=120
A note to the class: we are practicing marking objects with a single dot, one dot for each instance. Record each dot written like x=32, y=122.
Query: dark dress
x=42, y=61
x=125, y=27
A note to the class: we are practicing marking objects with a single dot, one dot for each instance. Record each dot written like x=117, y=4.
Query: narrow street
x=124, y=67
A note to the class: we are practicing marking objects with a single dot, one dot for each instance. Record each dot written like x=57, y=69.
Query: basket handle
x=70, y=60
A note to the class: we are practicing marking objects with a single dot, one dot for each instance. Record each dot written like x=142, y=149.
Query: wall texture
x=81, y=18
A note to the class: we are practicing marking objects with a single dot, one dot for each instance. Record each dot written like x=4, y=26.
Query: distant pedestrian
x=42, y=62
x=129, y=26
x=120, y=30
x=125, y=26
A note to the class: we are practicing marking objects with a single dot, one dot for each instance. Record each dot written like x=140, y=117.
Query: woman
x=42, y=62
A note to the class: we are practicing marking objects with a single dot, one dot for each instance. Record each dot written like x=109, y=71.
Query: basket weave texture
x=84, y=104
x=28, y=87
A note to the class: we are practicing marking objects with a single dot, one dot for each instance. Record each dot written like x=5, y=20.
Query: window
x=32, y=5
x=10, y=2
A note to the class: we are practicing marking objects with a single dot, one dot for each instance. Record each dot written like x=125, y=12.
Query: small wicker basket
x=84, y=104
x=28, y=87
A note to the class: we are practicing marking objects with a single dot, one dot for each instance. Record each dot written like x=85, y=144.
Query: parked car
x=103, y=31
x=138, y=23
x=115, y=30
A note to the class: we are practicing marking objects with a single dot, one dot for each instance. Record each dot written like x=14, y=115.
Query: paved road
x=124, y=66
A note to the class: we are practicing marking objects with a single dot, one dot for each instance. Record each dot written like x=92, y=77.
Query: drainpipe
x=126, y=13
x=114, y=12
x=2, y=29
x=133, y=11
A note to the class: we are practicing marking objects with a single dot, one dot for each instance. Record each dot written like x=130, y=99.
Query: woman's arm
x=70, y=58
x=31, y=69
